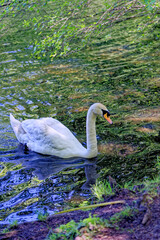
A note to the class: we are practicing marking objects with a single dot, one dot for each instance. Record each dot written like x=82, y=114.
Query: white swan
x=50, y=137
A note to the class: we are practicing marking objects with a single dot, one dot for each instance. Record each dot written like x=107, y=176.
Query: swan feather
x=49, y=136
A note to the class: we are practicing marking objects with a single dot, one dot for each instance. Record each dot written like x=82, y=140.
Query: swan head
x=100, y=109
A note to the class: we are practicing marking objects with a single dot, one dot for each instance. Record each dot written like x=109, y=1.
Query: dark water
x=120, y=71
x=34, y=184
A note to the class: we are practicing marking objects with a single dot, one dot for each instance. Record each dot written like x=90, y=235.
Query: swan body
x=50, y=137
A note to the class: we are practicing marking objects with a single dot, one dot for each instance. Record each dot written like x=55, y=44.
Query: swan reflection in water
x=46, y=197
x=49, y=166
x=46, y=166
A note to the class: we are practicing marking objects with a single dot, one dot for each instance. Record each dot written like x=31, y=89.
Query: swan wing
x=57, y=126
x=49, y=136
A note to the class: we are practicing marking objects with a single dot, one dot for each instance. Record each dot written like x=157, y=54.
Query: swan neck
x=91, y=134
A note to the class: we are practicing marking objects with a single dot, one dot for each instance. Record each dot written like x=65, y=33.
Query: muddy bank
x=143, y=224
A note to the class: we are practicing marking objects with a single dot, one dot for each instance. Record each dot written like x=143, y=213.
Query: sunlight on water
x=116, y=72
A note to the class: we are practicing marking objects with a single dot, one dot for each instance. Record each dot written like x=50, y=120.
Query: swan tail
x=17, y=128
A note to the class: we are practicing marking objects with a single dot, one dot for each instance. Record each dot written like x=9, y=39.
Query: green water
x=120, y=70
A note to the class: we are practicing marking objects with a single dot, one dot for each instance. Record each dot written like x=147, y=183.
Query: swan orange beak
x=107, y=118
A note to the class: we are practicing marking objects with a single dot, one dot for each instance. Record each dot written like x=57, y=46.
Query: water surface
x=121, y=71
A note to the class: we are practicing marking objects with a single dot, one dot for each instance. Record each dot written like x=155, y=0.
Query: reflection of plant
x=7, y=166
x=71, y=25
x=101, y=189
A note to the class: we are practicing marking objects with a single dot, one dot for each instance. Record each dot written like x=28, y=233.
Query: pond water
x=122, y=72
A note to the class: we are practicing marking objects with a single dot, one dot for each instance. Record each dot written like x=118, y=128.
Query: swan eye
x=106, y=113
